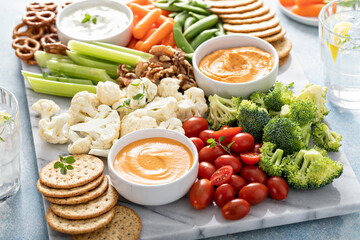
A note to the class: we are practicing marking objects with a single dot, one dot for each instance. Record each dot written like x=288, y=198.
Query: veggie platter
x=185, y=25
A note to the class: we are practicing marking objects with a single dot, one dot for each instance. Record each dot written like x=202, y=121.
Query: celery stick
x=58, y=79
x=102, y=53
x=143, y=55
x=110, y=68
x=72, y=70
x=42, y=58
x=58, y=88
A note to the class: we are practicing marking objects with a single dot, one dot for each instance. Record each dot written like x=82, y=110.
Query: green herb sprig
x=64, y=164
x=88, y=18
x=125, y=103
x=213, y=143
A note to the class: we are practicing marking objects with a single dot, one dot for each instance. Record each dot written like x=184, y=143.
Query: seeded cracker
x=254, y=27
x=229, y=4
x=245, y=15
x=282, y=46
x=257, y=19
x=263, y=33
x=240, y=9
x=275, y=37
x=283, y=60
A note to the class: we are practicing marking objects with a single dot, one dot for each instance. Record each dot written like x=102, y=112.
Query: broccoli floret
x=317, y=94
x=325, y=138
x=258, y=98
x=222, y=111
x=278, y=97
x=285, y=134
x=271, y=162
x=310, y=169
x=252, y=119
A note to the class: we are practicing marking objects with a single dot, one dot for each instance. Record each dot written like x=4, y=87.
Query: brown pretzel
x=52, y=44
x=31, y=61
x=38, y=19
x=25, y=47
x=66, y=4
x=34, y=33
x=39, y=7
x=50, y=29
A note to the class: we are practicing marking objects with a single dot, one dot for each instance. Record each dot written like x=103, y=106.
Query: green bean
x=180, y=40
x=200, y=26
x=167, y=7
x=197, y=16
x=188, y=22
x=202, y=37
x=181, y=17
x=191, y=8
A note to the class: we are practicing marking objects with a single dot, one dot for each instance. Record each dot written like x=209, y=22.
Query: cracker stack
x=254, y=18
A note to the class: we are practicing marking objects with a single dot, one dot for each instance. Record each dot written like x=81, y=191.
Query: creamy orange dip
x=153, y=161
x=237, y=65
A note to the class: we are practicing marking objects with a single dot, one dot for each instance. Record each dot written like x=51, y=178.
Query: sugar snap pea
x=202, y=37
x=173, y=14
x=200, y=4
x=191, y=8
x=188, y=22
x=200, y=26
x=189, y=57
x=181, y=17
x=180, y=40
x=221, y=31
x=167, y=7
x=197, y=16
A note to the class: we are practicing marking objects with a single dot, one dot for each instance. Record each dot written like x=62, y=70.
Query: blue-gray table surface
x=22, y=216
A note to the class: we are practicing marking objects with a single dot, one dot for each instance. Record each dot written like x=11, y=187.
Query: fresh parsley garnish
x=135, y=84
x=44, y=75
x=213, y=143
x=64, y=164
x=125, y=103
x=139, y=96
x=86, y=18
x=94, y=20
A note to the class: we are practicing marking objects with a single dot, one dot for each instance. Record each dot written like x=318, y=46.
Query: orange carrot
x=148, y=34
x=132, y=43
x=312, y=10
x=146, y=23
x=287, y=3
x=171, y=41
x=164, y=30
x=168, y=40
x=142, y=11
x=137, y=19
x=141, y=2
x=308, y=2
x=149, y=7
x=138, y=45
x=165, y=13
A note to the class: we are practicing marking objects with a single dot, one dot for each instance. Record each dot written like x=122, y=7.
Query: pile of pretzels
x=37, y=32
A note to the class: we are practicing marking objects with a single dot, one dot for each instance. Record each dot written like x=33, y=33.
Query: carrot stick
x=164, y=30
x=145, y=23
x=138, y=45
x=287, y=3
x=150, y=7
x=148, y=34
x=168, y=40
x=132, y=43
x=137, y=19
x=142, y=11
x=172, y=40
x=165, y=13
x=141, y=2
x=312, y=10
x=308, y=2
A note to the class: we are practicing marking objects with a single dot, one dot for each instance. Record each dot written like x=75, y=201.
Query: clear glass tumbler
x=10, y=145
x=339, y=33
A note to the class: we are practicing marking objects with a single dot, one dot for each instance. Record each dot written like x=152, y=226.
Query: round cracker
x=90, y=195
x=275, y=37
x=230, y=3
x=86, y=169
x=78, y=226
x=91, y=209
x=254, y=27
x=264, y=33
x=283, y=60
x=125, y=225
x=283, y=47
x=71, y=192
x=250, y=14
x=258, y=19
x=241, y=9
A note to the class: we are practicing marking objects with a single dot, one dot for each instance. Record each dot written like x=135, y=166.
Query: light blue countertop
x=22, y=217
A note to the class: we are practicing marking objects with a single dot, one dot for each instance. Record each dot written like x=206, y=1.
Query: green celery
x=58, y=79
x=42, y=58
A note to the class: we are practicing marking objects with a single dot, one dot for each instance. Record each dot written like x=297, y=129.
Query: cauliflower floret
x=83, y=104
x=141, y=91
x=168, y=87
x=79, y=145
x=52, y=131
x=192, y=104
x=100, y=152
x=45, y=108
x=137, y=120
x=174, y=124
x=162, y=109
x=108, y=92
x=123, y=107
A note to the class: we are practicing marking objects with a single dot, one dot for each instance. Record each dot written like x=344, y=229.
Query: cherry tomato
x=256, y=148
x=201, y=194
x=253, y=174
x=254, y=193
x=235, y=209
x=225, y=127
x=223, y=194
x=207, y=154
x=199, y=144
x=228, y=133
x=278, y=188
x=205, y=135
x=250, y=158
x=237, y=182
x=206, y=170
x=228, y=160
x=242, y=142
x=194, y=125
x=222, y=175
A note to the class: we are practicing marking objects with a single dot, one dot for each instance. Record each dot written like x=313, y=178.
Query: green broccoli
x=310, y=169
x=278, y=97
x=270, y=161
x=252, y=119
x=325, y=138
x=285, y=134
x=258, y=98
x=222, y=111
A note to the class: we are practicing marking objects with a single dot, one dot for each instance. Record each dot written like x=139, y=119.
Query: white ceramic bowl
x=122, y=37
x=153, y=194
x=228, y=90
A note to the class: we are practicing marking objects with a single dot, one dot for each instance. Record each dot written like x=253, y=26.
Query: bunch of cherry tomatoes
x=227, y=170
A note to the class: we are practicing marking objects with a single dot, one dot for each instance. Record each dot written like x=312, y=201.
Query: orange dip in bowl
x=237, y=65
x=153, y=161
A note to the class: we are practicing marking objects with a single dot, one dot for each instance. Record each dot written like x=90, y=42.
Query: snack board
x=179, y=220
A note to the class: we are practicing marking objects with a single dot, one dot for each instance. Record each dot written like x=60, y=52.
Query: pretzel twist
x=38, y=19
x=39, y=7
x=34, y=33
x=52, y=44
x=25, y=47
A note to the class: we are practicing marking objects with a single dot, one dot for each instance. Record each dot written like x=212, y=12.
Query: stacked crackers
x=83, y=203
x=254, y=18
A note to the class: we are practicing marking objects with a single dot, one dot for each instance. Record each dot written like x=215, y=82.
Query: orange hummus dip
x=237, y=65
x=153, y=161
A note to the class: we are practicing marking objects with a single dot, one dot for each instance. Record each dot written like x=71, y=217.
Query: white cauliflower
x=137, y=120
x=162, y=109
x=168, y=87
x=83, y=104
x=174, y=124
x=123, y=107
x=53, y=131
x=45, y=108
x=192, y=104
x=79, y=145
x=141, y=91
x=108, y=92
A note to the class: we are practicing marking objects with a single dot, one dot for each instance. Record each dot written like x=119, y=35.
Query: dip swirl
x=237, y=65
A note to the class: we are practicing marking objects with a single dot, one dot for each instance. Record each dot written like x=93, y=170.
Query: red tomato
x=206, y=170
x=207, y=154
x=201, y=194
x=228, y=133
x=228, y=160
x=225, y=127
x=254, y=193
x=237, y=182
x=194, y=125
x=235, y=209
x=278, y=188
x=250, y=158
x=223, y=194
x=197, y=142
x=222, y=175
x=256, y=148
x=242, y=142
x=253, y=174
x=205, y=135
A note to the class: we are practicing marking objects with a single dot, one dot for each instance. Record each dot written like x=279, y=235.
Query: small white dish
x=310, y=21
